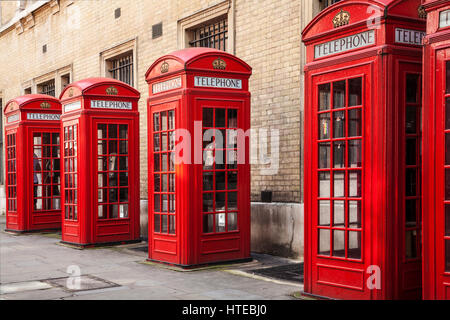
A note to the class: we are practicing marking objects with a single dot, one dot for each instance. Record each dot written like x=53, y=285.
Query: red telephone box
x=33, y=186
x=100, y=166
x=362, y=150
x=199, y=173
x=436, y=152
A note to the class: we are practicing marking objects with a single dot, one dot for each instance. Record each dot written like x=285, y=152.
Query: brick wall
x=267, y=37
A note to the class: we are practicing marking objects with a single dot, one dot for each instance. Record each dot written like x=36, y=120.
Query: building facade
x=49, y=44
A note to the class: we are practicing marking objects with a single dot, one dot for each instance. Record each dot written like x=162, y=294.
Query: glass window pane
x=101, y=131
x=112, y=147
x=412, y=88
x=156, y=142
x=354, y=214
x=339, y=184
x=156, y=124
x=232, y=201
x=354, y=183
x=157, y=223
x=220, y=118
x=123, y=163
x=447, y=113
x=355, y=123
x=354, y=244
x=324, y=155
x=354, y=154
x=113, y=211
x=123, y=147
x=324, y=242
x=164, y=203
x=355, y=92
x=339, y=124
x=123, y=179
x=164, y=141
x=447, y=219
x=447, y=255
x=123, y=195
x=448, y=76
x=171, y=224
x=410, y=152
x=232, y=118
x=112, y=131
x=411, y=119
x=172, y=182
x=208, y=223
x=123, y=131
x=220, y=201
x=447, y=148
x=157, y=203
x=208, y=180
x=157, y=183
x=411, y=244
x=220, y=180
x=164, y=223
x=339, y=154
x=324, y=184
x=102, y=211
x=37, y=138
x=123, y=211
x=164, y=121
x=339, y=213
x=324, y=96
x=324, y=126
x=232, y=180
x=46, y=138
x=410, y=182
x=338, y=243
x=232, y=221
x=339, y=94
x=220, y=222
x=324, y=212
x=164, y=182
x=113, y=196
x=171, y=119
x=102, y=180
x=208, y=199
x=208, y=117
x=410, y=213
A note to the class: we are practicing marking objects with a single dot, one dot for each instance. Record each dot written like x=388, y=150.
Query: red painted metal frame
x=189, y=246
x=436, y=279
x=383, y=67
x=27, y=217
x=81, y=224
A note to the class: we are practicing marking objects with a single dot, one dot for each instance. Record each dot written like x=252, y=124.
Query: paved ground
x=28, y=261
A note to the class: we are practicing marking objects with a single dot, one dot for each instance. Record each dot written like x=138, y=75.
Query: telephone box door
x=112, y=143
x=340, y=192
x=442, y=174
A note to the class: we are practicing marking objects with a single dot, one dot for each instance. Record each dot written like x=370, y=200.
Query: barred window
x=121, y=68
x=213, y=34
x=327, y=3
x=47, y=87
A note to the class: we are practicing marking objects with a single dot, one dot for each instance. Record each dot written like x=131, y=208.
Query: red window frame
x=163, y=156
x=46, y=171
x=222, y=175
x=113, y=180
x=11, y=153
x=337, y=224
x=446, y=168
x=71, y=172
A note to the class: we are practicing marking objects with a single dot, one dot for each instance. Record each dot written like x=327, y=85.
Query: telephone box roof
x=86, y=85
x=24, y=100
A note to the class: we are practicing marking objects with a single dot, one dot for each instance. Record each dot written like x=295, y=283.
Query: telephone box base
x=202, y=265
x=45, y=230
x=96, y=245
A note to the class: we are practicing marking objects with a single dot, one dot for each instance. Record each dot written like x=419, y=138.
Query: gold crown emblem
x=164, y=67
x=45, y=105
x=71, y=92
x=422, y=12
x=219, y=64
x=341, y=19
x=112, y=91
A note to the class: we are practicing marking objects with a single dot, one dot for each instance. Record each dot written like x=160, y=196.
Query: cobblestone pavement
x=36, y=266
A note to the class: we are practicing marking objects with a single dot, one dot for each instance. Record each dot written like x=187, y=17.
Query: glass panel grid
x=340, y=169
x=164, y=202
x=412, y=166
x=446, y=212
x=112, y=171
x=70, y=172
x=220, y=171
x=11, y=171
x=46, y=171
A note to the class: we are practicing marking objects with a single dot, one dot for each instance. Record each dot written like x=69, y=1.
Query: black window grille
x=122, y=69
x=48, y=88
x=327, y=3
x=212, y=35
